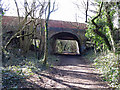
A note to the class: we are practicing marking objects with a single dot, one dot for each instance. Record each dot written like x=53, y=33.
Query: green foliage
x=69, y=46
x=118, y=48
x=95, y=39
x=13, y=75
x=108, y=66
x=16, y=68
x=102, y=22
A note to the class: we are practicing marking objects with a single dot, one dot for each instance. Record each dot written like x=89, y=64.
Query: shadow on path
x=74, y=72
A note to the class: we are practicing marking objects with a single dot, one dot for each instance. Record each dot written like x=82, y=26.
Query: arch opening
x=67, y=47
x=65, y=43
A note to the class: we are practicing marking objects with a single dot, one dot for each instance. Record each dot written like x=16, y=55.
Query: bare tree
x=31, y=21
x=28, y=20
x=49, y=11
x=87, y=8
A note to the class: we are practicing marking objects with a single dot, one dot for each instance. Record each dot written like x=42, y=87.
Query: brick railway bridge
x=57, y=30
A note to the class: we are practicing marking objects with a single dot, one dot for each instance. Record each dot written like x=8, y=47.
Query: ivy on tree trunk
x=96, y=30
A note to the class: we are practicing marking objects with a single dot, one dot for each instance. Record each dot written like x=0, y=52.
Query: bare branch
x=16, y=34
x=93, y=20
x=93, y=11
x=53, y=8
x=17, y=10
x=25, y=6
x=25, y=34
x=84, y=4
x=87, y=10
x=42, y=10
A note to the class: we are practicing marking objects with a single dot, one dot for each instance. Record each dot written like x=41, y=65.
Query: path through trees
x=71, y=72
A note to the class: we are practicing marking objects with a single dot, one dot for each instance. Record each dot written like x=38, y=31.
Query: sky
x=67, y=10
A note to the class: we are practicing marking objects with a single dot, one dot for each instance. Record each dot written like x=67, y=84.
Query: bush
x=108, y=66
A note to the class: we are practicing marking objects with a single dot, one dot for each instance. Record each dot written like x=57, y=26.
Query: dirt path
x=71, y=72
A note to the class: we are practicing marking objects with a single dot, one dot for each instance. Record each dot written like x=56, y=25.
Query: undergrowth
x=17, y=68
x=107, y=65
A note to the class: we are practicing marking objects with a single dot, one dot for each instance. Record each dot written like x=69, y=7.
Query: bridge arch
x=63, y=36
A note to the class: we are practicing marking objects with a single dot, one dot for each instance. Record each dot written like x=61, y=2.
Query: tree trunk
x=41, y=48
x=110, y=25
x=1, y=51
x=46, y=35
x=98, y=27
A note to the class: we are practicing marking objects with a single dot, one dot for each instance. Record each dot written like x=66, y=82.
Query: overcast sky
x=67, y=10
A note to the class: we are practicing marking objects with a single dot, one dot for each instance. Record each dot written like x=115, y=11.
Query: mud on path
x=71, y=72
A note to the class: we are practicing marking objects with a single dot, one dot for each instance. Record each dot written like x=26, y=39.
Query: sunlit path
x=71, y=72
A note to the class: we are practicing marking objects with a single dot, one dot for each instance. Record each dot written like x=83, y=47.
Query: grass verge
x=107, y=65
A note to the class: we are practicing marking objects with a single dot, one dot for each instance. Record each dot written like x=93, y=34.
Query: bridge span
x=56, y=30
